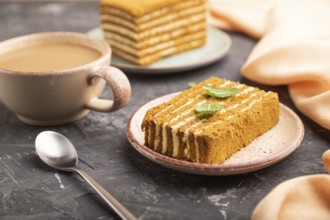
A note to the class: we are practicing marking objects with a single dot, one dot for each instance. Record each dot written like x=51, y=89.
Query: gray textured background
x=31, y=190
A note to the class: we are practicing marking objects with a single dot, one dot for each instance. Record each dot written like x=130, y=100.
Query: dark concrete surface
x=31, y=190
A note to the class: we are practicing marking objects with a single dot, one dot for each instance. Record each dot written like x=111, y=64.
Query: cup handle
x=119, y=85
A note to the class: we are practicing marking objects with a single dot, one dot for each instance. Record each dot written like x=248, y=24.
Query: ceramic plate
x=267, y=149
x=218, y=45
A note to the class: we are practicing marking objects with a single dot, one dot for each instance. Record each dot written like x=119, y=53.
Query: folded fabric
x=294, y=48
x=303, y=198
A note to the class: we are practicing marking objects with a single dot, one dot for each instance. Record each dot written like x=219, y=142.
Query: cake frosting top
x=140, y=7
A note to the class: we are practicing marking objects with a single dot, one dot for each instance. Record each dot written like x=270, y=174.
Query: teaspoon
x=58, y=152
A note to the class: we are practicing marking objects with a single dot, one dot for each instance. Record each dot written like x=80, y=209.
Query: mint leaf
x=220, y=92
x=206, y=109
x=192, y=84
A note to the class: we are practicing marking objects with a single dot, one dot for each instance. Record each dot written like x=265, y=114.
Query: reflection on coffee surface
x=47, y=57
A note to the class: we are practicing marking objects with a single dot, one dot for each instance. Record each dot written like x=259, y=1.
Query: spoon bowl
x=58, y=152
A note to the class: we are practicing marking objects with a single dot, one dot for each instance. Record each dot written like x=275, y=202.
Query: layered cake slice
x=210, y=121
x=144, y=31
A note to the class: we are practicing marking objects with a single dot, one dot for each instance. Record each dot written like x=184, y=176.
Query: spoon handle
x=108, y=198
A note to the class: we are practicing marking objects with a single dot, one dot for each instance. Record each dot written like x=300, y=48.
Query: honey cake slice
x=176, y=130
x=144, y=31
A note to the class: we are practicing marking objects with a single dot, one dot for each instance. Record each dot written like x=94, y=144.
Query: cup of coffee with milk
x=57, y=77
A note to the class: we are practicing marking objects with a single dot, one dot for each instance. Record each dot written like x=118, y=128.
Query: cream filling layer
x=138, y=36
x=157, y=139
x=157, y=47
x=163, y=37
x=164, y=133
x=160, y=54
x=196, y=149
x=112, y=10
x=159, y=22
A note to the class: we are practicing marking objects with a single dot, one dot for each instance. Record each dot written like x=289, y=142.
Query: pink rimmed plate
x=268, y=149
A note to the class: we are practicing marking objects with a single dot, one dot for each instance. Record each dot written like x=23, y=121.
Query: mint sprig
x=207, y=109
x=220, y=92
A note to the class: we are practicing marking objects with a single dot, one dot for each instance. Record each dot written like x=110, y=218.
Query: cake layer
x=144, y=10
x=142, y=44
x=139, y=53
x=160, y=54
x=116, y=21
x=141, y=35
x=175, y=130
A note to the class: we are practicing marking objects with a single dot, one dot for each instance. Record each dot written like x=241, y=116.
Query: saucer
x=267, y=149
x=217, y=46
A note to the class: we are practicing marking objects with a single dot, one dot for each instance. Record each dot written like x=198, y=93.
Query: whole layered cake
x=210, y=121
x=145, y=31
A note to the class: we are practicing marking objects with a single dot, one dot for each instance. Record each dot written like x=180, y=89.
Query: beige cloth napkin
x=294, y=48
x=301, y=198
